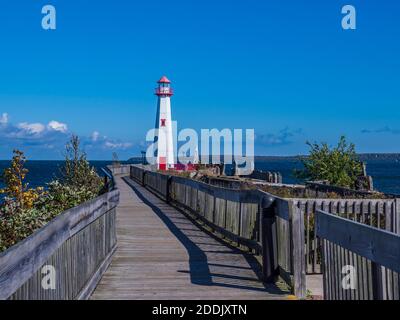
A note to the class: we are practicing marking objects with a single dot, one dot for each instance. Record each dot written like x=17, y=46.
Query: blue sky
x=285, y=68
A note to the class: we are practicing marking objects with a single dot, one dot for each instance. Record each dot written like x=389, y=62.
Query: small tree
x=339, y=165
x=77, y=172
x=16, y=189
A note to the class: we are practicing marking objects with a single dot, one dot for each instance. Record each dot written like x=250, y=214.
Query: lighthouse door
x=163, y=163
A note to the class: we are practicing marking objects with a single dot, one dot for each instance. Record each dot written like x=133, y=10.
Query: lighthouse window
x=162, y=122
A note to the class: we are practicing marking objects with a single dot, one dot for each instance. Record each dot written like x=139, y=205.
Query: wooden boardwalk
x=161, y=254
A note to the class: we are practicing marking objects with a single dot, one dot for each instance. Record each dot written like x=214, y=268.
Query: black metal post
x=269, y=240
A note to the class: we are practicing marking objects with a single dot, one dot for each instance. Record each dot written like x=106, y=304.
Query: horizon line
x=266, y=156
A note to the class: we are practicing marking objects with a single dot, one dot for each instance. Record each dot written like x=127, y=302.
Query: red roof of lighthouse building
x=164, y=79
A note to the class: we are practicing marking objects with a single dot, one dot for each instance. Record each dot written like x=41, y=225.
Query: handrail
x=364, y=253
x=379, y=246
x=20, y=264
x=109, y=182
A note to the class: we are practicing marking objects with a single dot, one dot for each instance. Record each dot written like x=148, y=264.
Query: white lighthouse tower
x=164, y=141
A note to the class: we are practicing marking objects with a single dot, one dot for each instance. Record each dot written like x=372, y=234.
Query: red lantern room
x=164, y=87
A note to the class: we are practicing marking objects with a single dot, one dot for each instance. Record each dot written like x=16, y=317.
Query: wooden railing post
x=239, y=223
x=214, y=210
x=397, y=215
x=106, y=186
x=268, y=239
x=298, y=262
x=377, y=285
x=168, y=190
x=143, y=178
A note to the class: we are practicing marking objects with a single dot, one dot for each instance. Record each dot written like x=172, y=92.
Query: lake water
x=386, y=173
x=42, y=172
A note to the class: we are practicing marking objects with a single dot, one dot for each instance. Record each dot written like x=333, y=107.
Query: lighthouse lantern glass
x=164, y=87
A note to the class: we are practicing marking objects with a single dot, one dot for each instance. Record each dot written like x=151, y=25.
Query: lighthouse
x=164, y=141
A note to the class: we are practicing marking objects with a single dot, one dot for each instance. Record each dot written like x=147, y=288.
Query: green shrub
x=61, y=197
x=77, y=172
x=339, y=166
x=26, y=210
x=16, y=223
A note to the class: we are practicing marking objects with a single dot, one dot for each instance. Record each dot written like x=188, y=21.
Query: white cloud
x=4, y=119
x=31, y=128
x=57, y=126
x=98, y=140
x=37, y=137
x=117, y=145
x=95, y=136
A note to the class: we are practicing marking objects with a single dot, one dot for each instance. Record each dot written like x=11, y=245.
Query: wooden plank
x=90, y=286
x=297, y=251
x=397, y=215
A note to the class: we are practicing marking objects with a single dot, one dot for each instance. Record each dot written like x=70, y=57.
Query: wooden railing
x=158, y=183
x=119, y=169
x=379, y=213
x=252, y=219
x=243, y=217
x=360, y=262
x=268, y=176
x=232, y=213
x=320, y=190
x=137, y=173
x=66, y=258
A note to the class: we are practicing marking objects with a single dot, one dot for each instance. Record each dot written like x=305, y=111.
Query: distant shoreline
x=362, y=156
